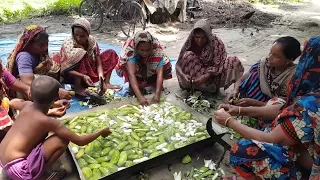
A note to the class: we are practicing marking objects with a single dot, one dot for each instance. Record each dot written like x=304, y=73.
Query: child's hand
x=105, y=132
x=58, y=112
x=61, y=103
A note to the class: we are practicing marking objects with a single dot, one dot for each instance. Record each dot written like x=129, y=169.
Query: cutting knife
x=192, y=86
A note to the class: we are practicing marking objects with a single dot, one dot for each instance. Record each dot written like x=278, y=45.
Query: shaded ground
x=235, y=13
x=249, y=44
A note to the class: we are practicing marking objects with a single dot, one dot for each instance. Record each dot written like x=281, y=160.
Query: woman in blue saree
x=289, y=148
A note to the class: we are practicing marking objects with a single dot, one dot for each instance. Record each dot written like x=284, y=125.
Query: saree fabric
x=212, y=58
x=75, y=57
x=299, y=119
x=146, y=74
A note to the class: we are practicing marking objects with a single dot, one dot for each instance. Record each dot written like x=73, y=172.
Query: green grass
x=14, y=10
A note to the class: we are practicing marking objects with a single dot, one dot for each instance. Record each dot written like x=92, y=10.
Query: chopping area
x=177, y=138
x=164, y=165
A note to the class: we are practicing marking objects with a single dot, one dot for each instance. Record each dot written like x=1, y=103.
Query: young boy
x=25, y=151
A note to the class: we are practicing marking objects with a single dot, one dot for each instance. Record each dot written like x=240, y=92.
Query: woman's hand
x=155, y=100
x=231, y=109
x=201, y=79
x=221, y=116
x=186, y=78
x=87, y=80
x=102, y=86
x=28, y=94
x=143, y=101
x=61, y=103
x=65, y=94
x=245, y=102
x=234, y=94
x=57, y=112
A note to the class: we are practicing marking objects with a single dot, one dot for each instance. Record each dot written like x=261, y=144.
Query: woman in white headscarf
x=81, y=60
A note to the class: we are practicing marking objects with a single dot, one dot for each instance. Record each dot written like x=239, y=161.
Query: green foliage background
x=15, y=10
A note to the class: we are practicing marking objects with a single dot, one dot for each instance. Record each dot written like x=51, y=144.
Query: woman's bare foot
x=110, y=86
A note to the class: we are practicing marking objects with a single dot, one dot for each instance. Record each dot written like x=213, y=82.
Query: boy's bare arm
x=64, y=133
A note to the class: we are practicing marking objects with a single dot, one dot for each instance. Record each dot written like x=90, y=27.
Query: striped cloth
x=250, y=87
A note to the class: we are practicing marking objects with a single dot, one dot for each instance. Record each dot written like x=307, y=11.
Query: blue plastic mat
x=55, y=41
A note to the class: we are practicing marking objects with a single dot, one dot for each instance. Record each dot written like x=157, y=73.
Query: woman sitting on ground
x=144, y=64
x=30, y=57
x=289, y=147
x=82, y=64
x=269, y=77
x=203, y=61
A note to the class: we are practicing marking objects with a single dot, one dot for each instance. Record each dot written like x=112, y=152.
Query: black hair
x=44, y=90
x=41, y=36
x=290, y=47
x=198, y=31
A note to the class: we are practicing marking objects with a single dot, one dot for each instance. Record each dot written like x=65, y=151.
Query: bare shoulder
x=49, y=122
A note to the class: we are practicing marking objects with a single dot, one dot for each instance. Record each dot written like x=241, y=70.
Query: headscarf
x=307, y=76
x=212, y=55
x=300, y=118
x=72, y=52
x=46, y=65
x=129, y=50
x=277, y=86
x=84, y=23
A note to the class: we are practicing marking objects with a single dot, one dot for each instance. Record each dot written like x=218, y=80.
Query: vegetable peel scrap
x=177, y=176
x=187, y=159
x=210, y=172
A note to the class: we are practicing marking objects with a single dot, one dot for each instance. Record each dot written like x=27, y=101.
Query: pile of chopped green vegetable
x=109, y=96
x=209, y=171
x=138, y=134
x=249, y=121
x=198, y=102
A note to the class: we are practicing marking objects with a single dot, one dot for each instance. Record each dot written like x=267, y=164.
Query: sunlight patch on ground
x=315, y=17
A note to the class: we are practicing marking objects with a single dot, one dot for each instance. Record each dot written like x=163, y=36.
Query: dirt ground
x=250, y=39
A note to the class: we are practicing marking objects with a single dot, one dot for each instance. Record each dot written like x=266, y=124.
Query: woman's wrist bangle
x=226, y=122
x=239, y=111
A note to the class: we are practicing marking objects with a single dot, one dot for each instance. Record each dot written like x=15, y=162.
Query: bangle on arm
x=239, y=111
x=226, y=122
